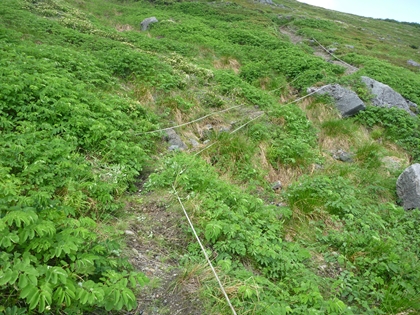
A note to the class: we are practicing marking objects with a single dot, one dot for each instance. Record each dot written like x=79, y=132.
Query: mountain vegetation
x=90, y=220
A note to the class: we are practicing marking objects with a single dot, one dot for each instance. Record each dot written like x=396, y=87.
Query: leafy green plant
x=50, y=261
x=398, y=126
x=323, y=193
x=295, y=143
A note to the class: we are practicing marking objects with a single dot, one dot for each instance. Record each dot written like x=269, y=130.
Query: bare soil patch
x=156, y=242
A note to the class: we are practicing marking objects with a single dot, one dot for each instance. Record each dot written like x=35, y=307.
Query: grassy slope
x=82, y=85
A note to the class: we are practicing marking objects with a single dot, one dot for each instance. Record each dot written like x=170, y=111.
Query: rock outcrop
x=146, y=22
x=174, y=140
x=385, y=96
x=408, y=187
x=347, y=101
x=413, y=63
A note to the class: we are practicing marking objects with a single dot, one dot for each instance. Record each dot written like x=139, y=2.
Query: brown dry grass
x=227, y=63
x=143, y=94
x=318, y=112
x=123, y=27
x=286, y=175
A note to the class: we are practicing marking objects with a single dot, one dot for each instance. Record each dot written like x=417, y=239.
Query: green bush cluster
x=69, y=151
x=50, y=261
x=381, y=257
x=72, y=143
x=399, y=126
x=334, y=195
x=295, y=141
x=231, y=85
x=247, y=235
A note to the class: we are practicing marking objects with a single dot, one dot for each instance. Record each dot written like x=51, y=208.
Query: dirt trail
x=154, y=240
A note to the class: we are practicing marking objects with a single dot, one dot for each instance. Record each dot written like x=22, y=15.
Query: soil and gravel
x=155, y=243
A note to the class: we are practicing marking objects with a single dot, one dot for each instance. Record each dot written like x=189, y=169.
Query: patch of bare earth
x=156, y=242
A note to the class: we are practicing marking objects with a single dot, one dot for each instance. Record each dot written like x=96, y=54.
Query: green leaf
x=14, y=277
x=19, y=217
x=7, y=240
x=5, y=276
x=28, y=291
x=213, y=230
x=33, y=299
x=23, y=281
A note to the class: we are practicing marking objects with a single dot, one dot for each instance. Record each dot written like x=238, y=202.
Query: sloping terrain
x=103, y=126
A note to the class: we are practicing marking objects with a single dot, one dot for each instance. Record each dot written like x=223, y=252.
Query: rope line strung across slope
x=190, y=122
x=303, y=97
x=189, y=220
x=342, y=61
x=204, y=252
x=240, y=127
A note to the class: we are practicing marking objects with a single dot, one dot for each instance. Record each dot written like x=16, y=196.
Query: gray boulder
x=146, y=22
x=413, y=63
x=408, y=187
x=347, y=101
x=175, y=142
x=266, y=2
x=385, y=96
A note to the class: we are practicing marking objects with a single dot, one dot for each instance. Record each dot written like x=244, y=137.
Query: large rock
x=413, y=63
x=385, y=96
x=146, y=22
x=174, y=140
x=347, y=101
x=408, y=187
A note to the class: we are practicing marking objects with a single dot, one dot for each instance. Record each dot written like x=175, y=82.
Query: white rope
x=303, y=97
x=204, y=251
x=347, y=64
x=190, y=122
x=246, y=123
x=288, y=83
x=212, y=144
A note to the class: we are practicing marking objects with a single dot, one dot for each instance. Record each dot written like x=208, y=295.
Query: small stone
x=128, y=232
x=323, y=267
x=276, y=185
x=342, y=156
x=345, y=157
x=173, y=147
x=224, y=129
x=174, y=140
x=194, y=143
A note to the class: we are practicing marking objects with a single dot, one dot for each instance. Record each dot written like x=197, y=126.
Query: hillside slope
x=108, y=133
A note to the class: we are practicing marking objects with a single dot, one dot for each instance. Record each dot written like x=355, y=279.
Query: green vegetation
x=82, y=92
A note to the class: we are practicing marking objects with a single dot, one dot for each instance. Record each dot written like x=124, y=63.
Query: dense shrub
x=399, y=126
